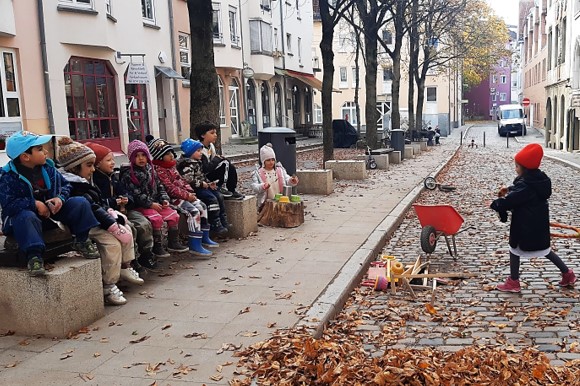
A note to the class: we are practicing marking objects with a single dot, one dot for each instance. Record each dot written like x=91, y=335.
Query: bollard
x=484, y=139
x=461, y=138
x=507, y=138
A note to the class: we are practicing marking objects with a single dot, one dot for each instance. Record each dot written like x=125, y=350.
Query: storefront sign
x=137, y=74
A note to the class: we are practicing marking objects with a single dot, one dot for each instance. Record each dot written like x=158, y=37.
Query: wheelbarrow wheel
x=428, y=239
x=372, y=164
x=430, y=183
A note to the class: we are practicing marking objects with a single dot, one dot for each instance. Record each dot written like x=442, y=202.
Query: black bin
x=283, y=140
x=398, y=141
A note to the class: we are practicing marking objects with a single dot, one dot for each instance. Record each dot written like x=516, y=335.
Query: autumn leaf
x=142, y=339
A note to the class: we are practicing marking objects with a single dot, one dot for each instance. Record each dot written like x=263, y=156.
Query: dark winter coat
x=192, y=171
x=16, y=192
x=146, y=188
x=111, y=188
x=83, y=188
x=528, y=201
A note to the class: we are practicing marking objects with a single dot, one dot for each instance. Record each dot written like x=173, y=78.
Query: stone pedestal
x=315, y=182
x=395, y=157
x=347, y=170
x=408, y=152
x=243, y=216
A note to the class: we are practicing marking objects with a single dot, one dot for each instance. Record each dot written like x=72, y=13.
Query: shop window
x=137, y=114
x=91, y=99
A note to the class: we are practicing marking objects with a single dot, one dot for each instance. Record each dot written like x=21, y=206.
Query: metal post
x=507, y=137
x=484, y=139
x=461, y=138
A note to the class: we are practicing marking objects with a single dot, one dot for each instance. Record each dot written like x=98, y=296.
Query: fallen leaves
x=142, y=339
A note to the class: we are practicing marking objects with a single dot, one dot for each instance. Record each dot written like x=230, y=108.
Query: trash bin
x=283, y=140
x=398, y=141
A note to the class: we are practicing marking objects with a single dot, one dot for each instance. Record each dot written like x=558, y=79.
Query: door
x=234, y=109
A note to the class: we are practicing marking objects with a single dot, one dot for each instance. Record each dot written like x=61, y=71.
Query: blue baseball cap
x=21, y=141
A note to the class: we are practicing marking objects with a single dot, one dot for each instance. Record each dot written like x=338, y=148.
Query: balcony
x=7, y=22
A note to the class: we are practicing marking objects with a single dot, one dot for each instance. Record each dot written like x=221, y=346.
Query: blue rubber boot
x=206, y=241
x=195, y=247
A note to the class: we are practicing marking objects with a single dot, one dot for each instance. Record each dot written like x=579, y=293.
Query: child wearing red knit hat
x=527, y=199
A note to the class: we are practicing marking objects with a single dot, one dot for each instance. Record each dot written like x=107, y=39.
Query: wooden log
x=281, y=214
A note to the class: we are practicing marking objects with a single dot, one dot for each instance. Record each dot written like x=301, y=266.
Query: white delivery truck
x=511, y=120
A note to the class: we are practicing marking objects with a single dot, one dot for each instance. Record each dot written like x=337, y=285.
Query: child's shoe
x=36, y=266
x=113, y=295
x=148, y=260
x=121, y=233
x=131, y=276
x=510, y=285
x=195, y=247
x=173, y=243
x=225, y=192
x=87, y=248
x=158, y=249
x=206, y=241
x=237, y=196
x=568, y=279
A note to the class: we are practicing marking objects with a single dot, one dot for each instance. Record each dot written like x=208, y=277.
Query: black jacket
x=528, y=201
x=111, y=188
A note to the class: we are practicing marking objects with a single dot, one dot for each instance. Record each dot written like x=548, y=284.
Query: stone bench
x=57, y=242
x=395, y=157
x=347, y=170
x=243, y=216
x=67, y=298
x=409, y=152
x=315, y=182
x=382, y=151
x=416, y=148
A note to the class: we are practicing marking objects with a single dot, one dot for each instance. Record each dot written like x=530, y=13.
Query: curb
x=562, y=161
x=245, y=157
x=331, y=301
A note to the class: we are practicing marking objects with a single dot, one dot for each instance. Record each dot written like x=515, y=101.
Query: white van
x=511, y=120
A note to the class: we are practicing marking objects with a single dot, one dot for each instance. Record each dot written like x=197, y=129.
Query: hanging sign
x=137, y=74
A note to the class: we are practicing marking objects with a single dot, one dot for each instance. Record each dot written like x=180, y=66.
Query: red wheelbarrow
x=439, y=220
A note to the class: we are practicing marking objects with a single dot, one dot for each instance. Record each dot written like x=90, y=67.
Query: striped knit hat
x=71, y=153
x=158, y=147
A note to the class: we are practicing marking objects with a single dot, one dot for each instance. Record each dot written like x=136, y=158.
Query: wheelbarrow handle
x=465, y=229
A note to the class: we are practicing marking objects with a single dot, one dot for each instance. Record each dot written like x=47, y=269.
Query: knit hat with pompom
x=266, y=152
x=71, y=153
x=158, y=147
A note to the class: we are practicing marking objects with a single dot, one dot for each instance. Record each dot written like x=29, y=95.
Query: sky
x=507, y=9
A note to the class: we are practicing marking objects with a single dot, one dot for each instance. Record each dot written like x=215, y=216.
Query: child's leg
x=144, y=233
x=171, y=217
x=193, y=216
x=110, y=251
x=156, y=221
x=26, y=227
x=514, y=266
x=231, y=179
x=76, y=213
x=555, y=259
x=223, y=215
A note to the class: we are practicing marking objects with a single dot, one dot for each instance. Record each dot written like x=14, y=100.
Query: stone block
x=382, y=161
x=243, y=216
x=67, y=298
x=423, y=145
x=395, y=157
x=315, y=181
x=347, y=169
x=416, y=148
x=408, y=152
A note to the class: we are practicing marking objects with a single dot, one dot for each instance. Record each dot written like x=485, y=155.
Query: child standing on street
x=271, y=178
x=182, y=195
x=34, y=196
x=216, y=167
x=189, y=166
x=114, y=238
x=150, y=198
x=115, y=196
x=527, y=199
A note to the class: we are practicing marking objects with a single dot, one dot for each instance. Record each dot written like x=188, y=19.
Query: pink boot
x=510, y=285
x=568, y=279
x=122, y=233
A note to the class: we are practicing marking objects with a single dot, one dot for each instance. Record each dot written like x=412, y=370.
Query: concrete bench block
x=382, y=161
x=67, y=298
x=395, y=157
x=347, y=170
x=315, y=181
x=423, y=145
x=416, y=148
x=243, y=216
x=408, y=152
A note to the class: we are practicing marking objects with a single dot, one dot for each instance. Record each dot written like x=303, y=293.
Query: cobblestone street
x=471, y=311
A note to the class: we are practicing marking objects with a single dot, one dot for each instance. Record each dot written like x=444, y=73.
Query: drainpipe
x=282, y=37
x=244, y=80
x=174, y=65
x=48, y=99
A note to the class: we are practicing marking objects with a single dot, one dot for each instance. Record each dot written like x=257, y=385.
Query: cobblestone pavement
x=471, y=311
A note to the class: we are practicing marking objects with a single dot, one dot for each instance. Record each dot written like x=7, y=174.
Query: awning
x=168, y=72
x=309, y=79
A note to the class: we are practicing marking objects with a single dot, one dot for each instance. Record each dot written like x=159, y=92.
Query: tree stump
x=281, y=214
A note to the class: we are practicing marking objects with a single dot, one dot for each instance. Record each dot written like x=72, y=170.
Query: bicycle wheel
x=430, y=183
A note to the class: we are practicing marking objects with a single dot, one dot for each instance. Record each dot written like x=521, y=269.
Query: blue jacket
x=16, y=192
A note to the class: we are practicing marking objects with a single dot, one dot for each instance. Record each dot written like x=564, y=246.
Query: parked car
x=511, y=120
x=343, y=133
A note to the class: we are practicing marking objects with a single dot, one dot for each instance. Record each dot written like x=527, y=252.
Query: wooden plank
x=437, y=275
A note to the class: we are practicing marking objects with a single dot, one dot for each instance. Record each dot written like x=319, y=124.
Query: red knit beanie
x=530, y=156
x=100, y=151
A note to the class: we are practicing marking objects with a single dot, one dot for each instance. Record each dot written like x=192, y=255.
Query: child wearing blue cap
x=34, y=197
x=189, y=165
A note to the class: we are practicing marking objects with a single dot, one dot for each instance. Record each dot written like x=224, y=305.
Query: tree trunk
x=327, y=79
x=282, y=215
x=204, y=103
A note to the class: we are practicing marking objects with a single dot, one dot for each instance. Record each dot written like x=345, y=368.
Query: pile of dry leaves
x=295, y=358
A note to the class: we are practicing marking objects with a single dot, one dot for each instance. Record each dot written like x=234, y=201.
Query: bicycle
x=371, y=163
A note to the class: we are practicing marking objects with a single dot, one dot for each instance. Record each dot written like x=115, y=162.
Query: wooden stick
x=436, y=275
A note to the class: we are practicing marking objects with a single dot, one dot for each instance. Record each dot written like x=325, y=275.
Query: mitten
x=121, y=233
x=503, y=216
x=118, y=216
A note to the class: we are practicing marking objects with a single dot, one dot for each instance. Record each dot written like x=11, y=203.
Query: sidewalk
x=192, y=315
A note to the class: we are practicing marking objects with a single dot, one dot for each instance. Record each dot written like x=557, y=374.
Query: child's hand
x=122, y=200
x=54, y=205
x=42, y=209
x=265, y=186
x=165, y=204
x=294, y=180
x=156, y=206
x=503, y=191
x=213, y=185
x=191, y=197
x=204, y=185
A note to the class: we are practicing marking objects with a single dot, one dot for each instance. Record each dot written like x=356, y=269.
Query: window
x=275, y=38
x=9, y=92
x=317, y=114
x=184, y=58
x=387, y=74
x=78, y=3
x=260, y=37
x=235, y=38
x=148, y=10
x=502, y=63
x=266, y=5
x=298, y=9
x=431, y=94
x=278, y=104
x=91, y=99
x=387, y=37
x=137, y=114
x=353, y=70
x=218, y=36
x=502, y=97
x=342, y=77
x=289, y=43
x=108, y=7
x=221, y=96
x=493, y=79
x=503, y=79
x=300, y=51
x=348, y=112
x=265, y=104
x=493, y=98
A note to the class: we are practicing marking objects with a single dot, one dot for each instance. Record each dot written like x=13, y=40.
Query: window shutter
x=255, y=36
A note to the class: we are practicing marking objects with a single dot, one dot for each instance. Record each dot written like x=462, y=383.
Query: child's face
x=87, y=169
x=140, y=159
x=209, y=137
x=519, y=169
x=269, y=164
x=36, y=157
x=107, y=164
x=168, y=157
x=197, y=154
